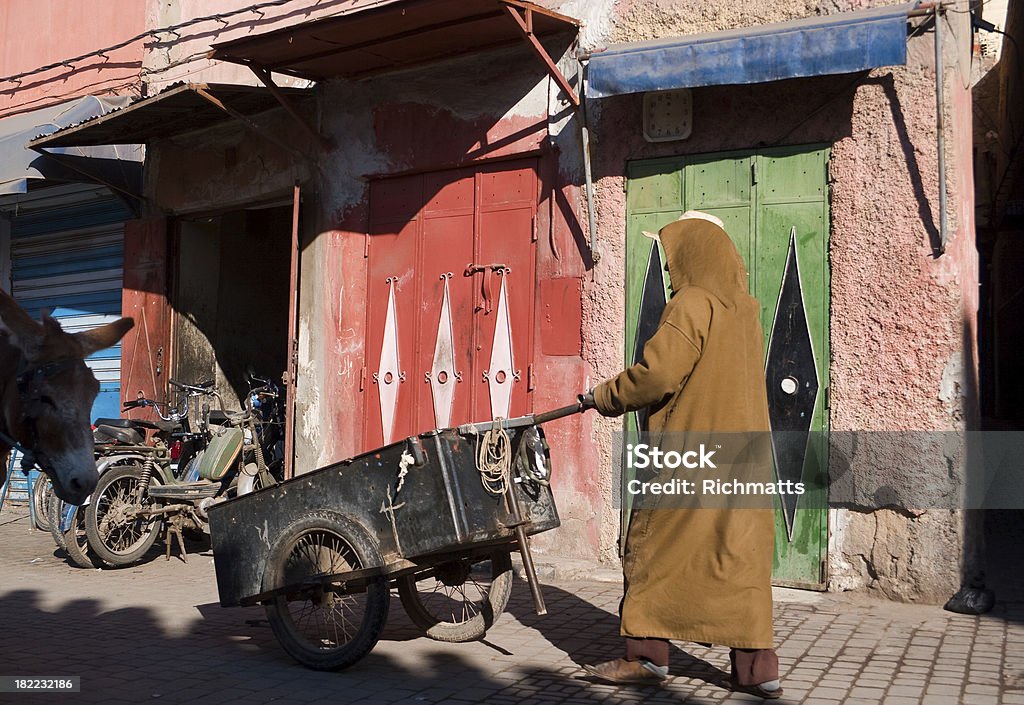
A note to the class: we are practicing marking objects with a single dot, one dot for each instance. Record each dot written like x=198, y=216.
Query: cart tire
x=119, y=543
x=74, y=541
x=446, y=612
x=42, y=497
x=341, y=545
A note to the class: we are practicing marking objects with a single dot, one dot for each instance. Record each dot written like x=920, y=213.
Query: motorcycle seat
x=116, y=423
x=165, y=426
x=128, y=436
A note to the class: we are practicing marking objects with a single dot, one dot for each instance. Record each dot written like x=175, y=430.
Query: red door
x=450, y=299
x=144, y=350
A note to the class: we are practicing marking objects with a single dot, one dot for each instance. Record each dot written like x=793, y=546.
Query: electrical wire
x=172, y=29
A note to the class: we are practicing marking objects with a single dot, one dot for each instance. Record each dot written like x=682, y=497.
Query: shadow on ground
x=129, y=656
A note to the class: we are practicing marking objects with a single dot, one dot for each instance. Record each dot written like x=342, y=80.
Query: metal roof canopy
x=20, y=165
x=841, y=43
x=178, y=109
x=396, y=35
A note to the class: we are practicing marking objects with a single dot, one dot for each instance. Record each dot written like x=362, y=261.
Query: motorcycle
x=135, y=504
x=170, y=444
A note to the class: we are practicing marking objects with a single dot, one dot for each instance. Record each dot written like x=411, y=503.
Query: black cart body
x=421, y=499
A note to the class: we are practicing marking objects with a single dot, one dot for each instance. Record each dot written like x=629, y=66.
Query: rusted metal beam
x=247, y=121
x=525, y=24
x=267, y=80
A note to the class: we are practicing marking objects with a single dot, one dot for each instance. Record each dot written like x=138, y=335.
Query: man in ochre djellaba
x=698, y=574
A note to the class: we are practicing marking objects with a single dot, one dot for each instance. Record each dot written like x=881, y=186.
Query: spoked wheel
x=116, y=532
x=325, y=625
x=454, y=602
x=67, y=526
x=42, y=497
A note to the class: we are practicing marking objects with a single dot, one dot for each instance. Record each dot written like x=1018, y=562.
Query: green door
x=775, y=208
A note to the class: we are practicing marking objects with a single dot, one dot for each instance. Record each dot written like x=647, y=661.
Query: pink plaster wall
x=37, y=33
x=902, y=320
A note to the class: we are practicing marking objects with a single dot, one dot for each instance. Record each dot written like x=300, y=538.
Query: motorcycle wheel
x=42, y=497
x=451, y=603
x=74, y=541
x=115, y=537
x=328, y=625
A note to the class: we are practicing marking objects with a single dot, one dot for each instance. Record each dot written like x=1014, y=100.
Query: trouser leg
x=754, y=666
x=654, y=650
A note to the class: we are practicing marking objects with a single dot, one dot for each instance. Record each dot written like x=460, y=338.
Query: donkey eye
x=48, y=401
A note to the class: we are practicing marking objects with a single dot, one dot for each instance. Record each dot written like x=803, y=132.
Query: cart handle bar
x=583, y=403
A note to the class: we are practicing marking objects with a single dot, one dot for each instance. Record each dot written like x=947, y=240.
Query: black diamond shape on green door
x=791, y=377
x=652, y=304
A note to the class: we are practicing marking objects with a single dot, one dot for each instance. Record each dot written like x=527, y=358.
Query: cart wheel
x=323, y=626
x=452, y=604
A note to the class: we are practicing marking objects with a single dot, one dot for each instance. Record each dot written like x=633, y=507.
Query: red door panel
x=506, y=238
x=447, y=249
x=144, y=350
x=392, y=261
x=422, y=228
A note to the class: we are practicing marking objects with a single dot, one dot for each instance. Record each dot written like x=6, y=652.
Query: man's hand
x=587, y=400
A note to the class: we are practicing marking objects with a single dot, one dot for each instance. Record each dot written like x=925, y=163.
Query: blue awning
x=813, y=46
x=19, y=164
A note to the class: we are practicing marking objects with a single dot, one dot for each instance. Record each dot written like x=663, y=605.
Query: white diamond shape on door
x=389, y=375
x=442, y=376
x=501, y=373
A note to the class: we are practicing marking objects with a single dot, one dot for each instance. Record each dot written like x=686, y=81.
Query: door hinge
x=531, y=380
x=533, y=227
x=366, y=246
x=362, y=378
x=753, y=172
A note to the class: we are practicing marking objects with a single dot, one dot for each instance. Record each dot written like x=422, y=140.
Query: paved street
x=154, y=633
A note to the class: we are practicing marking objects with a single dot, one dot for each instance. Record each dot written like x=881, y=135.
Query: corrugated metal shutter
x=66, y=257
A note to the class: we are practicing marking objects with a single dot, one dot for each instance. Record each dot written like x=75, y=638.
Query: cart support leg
x=531, y=572
x=524, y=548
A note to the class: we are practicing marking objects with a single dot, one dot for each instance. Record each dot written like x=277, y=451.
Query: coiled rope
x=494, y=459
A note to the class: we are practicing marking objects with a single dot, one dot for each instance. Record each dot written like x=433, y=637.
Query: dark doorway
x=230, y=298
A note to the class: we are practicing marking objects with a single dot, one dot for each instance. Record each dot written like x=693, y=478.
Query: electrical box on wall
x=668, y=115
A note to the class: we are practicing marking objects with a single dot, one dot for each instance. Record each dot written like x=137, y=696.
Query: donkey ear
x=24, y=333
x=104, y=336
x=51, y=326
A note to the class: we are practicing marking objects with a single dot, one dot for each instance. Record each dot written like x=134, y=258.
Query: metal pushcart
x=435, y=515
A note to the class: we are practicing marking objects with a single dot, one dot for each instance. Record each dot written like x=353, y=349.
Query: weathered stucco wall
x=901, y=319
x=228, y=166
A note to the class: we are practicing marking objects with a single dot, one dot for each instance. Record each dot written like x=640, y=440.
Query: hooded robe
x=701, y=574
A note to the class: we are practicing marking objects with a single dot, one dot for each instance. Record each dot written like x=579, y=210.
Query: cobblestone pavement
x=154, y=633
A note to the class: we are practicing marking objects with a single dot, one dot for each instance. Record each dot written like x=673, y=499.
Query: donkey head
x=50, y=392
